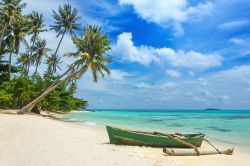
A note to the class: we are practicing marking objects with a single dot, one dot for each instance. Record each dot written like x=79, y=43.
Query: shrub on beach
x=18, y=92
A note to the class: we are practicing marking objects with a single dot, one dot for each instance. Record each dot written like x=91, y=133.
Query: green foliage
x=22, y=88
x=4, y=76
x=92, y=48
x=65, y=20
x=20, y=91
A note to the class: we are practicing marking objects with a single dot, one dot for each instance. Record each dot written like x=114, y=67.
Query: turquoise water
x=228, y=125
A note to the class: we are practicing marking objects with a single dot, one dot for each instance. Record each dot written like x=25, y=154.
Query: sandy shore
x=32, y=140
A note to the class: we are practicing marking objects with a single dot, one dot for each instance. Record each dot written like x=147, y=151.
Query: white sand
x=32, y=140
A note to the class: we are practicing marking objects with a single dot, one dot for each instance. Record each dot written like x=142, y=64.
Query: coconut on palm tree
x=65, y=22
x=40, y=51
x=91, y=54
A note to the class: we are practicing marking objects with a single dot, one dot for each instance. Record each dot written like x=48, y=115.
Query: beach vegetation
x=53, y=88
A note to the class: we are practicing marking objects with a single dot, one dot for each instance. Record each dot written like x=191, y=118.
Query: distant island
x=212, y=109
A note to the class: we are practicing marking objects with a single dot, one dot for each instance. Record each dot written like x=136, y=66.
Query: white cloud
x=247, y=90
x=243, y=42
x=191, y=74
x=239, y=73
x=118, y=74
x=173, y=73
x=169, y=12
x=127, y=51
x=237, y=40
x=165, y=99
x=223, y=97
x=44, y=6
x=224, y=90
x=206, y=93
x=142, y=85
x=233, y=24
x=103, y=9
x=199, y=99
x=189, y=94
x=168, y=85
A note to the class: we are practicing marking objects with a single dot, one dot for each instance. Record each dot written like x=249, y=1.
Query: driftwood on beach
x=182, y=152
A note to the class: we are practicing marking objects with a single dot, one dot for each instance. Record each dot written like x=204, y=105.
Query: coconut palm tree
x=92, y=49
x=36, y=26
x=65, y=21
x=24, y=61
x=16, y=35
x=40, y=51
x=53, y=64
x=9, y=10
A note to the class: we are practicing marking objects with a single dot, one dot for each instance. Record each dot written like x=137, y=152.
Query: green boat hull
x=138, y=138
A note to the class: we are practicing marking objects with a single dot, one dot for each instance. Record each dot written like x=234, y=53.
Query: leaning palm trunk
x=29, y=106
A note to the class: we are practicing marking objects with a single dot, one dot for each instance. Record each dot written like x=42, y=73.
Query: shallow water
x=229, y=125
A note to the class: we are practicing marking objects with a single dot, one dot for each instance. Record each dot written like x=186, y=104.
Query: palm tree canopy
x=9, y=9
x=40, y=47
x=53, y=64
x=24, y=59
x=19, y=31
x=92, y=49
x=66, y=20
x=40, y=50
x=36, y=24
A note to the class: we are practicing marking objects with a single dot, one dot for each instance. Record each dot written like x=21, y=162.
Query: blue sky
x=166, y=54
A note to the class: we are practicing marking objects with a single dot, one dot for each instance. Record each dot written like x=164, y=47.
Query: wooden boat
x=153, y=139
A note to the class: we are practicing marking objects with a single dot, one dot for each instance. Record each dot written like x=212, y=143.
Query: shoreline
x=38, y=140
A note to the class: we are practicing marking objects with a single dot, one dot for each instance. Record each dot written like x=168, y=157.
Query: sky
x=166, y=54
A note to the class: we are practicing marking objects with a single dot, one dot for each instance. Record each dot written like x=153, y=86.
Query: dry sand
x=32, y=140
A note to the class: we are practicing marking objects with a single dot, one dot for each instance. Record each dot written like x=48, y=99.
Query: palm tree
x=24, y=60
x=9, y=10
x=65, y=21
x=40, y=50
x=36, y=26
x=92, y=49
x=53, y=64
x=16, y=35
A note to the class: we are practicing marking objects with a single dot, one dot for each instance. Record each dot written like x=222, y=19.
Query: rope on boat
x=221, y=140
x=212, y=146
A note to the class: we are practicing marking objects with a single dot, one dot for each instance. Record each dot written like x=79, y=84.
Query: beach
x=29, y=140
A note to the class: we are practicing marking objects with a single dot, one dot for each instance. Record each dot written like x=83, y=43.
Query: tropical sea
x=228, y=125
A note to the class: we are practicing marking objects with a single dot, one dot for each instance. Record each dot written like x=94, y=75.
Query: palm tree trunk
x=10, y=58
x=29, y=106
x=2, y=35
x=64, y=74
x=36, y=69
x=60, y=42
x=1, y=40
x=31, y=51
x=33, y=44
x=28, y=70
